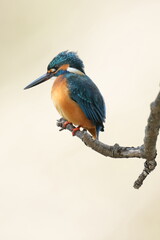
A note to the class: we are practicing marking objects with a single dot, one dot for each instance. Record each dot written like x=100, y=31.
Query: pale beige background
x=51, y=185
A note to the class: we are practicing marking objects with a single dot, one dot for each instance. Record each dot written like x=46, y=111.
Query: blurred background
x=51, y=185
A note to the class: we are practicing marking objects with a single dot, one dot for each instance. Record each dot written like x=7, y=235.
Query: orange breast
x=68, y=108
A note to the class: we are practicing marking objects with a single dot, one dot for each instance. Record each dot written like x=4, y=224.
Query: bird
x=75, y=96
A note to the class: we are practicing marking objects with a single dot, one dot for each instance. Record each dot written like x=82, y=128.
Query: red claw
x=75, y=130
x=66, y=123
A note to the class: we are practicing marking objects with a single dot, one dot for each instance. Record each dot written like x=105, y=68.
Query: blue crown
x=66, y=57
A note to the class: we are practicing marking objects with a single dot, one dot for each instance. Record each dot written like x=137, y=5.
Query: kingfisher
x=75, y=96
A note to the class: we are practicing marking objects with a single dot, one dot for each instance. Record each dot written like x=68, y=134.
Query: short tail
x=98, y=129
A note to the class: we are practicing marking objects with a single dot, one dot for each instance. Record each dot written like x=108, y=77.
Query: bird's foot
x=66, y=123
x=62, y=125
x=75, y=130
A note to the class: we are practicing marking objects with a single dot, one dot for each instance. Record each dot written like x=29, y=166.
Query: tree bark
x=146, y=151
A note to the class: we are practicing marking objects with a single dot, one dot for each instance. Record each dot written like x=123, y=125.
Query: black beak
x=39, y=80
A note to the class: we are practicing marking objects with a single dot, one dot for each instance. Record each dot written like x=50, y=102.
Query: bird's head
x=64, y=62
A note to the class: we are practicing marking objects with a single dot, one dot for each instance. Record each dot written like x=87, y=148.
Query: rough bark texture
x=146, y=151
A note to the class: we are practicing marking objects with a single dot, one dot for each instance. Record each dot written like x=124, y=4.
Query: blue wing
x=83, y=91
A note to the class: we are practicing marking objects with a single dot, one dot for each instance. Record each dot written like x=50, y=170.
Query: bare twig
x=150, y=139
x=146, y=151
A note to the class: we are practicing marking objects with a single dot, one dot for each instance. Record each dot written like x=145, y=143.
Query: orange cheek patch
x=63, y=67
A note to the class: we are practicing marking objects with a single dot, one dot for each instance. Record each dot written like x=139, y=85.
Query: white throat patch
x=74, y=70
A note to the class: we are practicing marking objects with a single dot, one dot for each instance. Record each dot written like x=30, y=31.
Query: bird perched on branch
x=75, y=96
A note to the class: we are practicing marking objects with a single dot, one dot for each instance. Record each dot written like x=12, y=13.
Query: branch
x=150, y=140
x=146, y=151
